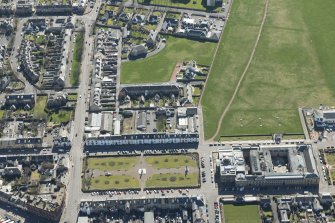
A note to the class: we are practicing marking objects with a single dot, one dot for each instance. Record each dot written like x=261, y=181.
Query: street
x=73, y=195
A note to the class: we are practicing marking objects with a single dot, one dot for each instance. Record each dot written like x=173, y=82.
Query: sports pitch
x=292, y=67
x=241, y=214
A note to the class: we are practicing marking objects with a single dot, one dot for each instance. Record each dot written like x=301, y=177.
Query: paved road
x=73, y=195
x=274, y=211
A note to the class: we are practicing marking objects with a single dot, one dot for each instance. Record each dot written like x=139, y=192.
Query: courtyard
x=136, y=172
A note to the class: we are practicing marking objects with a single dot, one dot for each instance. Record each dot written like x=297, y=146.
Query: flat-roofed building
x=324, y=117
x=268, y=166
x=160, y=140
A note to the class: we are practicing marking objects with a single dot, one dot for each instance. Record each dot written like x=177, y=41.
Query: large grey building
x=268, y=166
x=143, y=141
x=324, y=117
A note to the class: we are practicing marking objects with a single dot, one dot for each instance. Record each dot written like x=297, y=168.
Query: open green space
x=40, y=39
x=112, y=163
x=35, y=176
x=118, y=182
x=40, y=104
x=189, y=4
x=330, y=158
x=241, y=214
x=61, y=116
x=158, y=68
x=2, y=113
x=169, y=180
x=167, y=172
x=77, y=55
x=291, y=67
x=171, y=161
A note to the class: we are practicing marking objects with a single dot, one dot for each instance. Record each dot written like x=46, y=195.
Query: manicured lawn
x=170, y=180
x=292, y=67
x=114, y=182
x=40, y=39
x=112, y=163
x=241, y=214
x=2, y=113
x=76, y=62
x=61, y=116
x=170, y=161
x=109, y=22
x=150, y=27
x=159, y=67
x=72, y=97
x=39, y=107
x=330, y=159
x=35, y=176
x=189, y=4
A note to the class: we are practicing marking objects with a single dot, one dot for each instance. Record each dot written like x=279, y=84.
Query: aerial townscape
x=167, y=111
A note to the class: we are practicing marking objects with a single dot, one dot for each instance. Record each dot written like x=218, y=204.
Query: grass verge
x=77, y=56
x=191, y=4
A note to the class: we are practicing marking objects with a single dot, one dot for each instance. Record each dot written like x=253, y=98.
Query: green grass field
x=159, y=68
x=170, y=161
x=189, y=4
x=292, y=67
x=77, y=56
x=61, y=116
x=112, y=163
x=2, y=113
x=114, y=182
x=170, y=180
x=241, y=214
x=330, y=158
x=161, y=173
x=39, y=107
